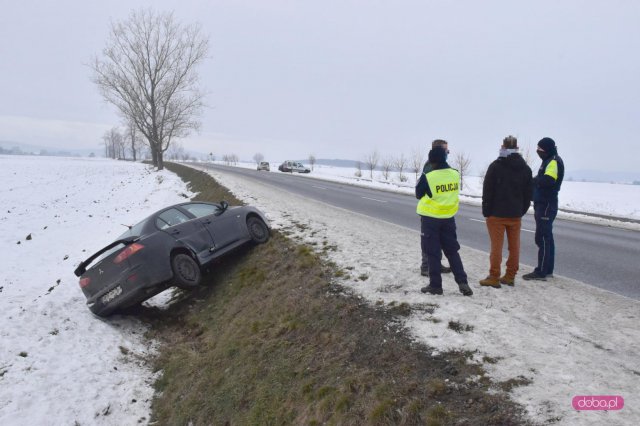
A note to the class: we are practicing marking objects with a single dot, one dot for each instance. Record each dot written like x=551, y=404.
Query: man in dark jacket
x=424, y=266
x=438, y=192
x=546, y=186
x=506, y=196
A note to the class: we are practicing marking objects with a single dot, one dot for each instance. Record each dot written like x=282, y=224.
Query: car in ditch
x=170, y=247
x=293, y=166
x=264, y=165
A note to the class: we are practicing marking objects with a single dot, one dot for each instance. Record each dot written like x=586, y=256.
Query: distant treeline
x=17, y=151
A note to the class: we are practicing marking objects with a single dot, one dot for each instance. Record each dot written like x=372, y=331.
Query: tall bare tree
x=462, y=162
x=258, y=157
x=371, y=161
x=148, y=71
x=133, y=139
x=400, y=163
x=113, y=144
x=312, y=160
x=387, y=165
x=416, y=162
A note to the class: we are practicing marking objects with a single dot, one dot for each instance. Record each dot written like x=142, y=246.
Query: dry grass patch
x=272, y=340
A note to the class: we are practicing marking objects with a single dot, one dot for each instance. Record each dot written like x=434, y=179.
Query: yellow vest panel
x=445, y=194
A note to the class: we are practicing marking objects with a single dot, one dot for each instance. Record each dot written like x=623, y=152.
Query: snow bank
x=58, y=363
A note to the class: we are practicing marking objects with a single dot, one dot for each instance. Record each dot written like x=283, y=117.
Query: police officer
x=546, y=186
x=438, y=192
x=424, y=265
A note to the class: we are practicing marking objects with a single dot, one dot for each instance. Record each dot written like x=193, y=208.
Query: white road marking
x=319, y=187
x=373, y=199
x=522, y=229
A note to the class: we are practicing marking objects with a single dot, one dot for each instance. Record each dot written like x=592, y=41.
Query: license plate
x=112, y=294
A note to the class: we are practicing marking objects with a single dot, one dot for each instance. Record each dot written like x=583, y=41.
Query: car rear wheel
x=258, y=230
x=186, y=271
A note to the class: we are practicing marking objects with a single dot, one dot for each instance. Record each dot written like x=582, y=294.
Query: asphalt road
x=601, y=256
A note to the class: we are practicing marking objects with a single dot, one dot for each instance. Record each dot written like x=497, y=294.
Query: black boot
x=465, y=289
x=432, y=290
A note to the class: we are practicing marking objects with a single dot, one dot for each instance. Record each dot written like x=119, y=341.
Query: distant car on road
x=167, y=248
x=293, y=166
x=264, y=165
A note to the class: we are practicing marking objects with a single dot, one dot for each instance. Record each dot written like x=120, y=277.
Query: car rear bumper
x=138, y=287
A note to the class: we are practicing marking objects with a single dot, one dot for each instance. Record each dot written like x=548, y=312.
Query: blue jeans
x=545, y=214
x=439, y=236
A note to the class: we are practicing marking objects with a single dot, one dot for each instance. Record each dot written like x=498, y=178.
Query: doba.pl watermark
x=598, y=402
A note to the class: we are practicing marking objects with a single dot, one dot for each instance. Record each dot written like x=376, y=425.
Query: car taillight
x=128, y=251
x=84, y=282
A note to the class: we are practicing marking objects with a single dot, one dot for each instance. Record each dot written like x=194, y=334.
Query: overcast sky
x=341, y=78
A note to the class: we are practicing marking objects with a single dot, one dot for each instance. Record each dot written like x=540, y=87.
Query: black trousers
x=545, y=214
x=439, y=236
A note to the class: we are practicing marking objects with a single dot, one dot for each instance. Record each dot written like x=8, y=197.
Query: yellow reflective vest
x=445, y=194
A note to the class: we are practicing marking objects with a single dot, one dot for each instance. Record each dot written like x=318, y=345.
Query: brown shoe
x=510, y=281
x=490, y=282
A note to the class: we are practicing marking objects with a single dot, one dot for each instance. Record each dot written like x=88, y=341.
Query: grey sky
x=341, y=78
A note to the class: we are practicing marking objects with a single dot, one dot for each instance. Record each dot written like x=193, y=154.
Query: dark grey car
x=167, y=248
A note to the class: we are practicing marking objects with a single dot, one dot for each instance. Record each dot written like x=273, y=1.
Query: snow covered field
x=58, y=363
x=568, y=338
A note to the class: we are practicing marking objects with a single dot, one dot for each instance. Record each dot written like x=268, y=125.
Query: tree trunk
x=160, y=160
x=154, y=155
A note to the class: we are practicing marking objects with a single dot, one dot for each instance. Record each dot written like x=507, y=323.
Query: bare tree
x=312, y=160
x=113, y=143
x=371, y=161
x=358, y=169
x=483, y=173
x=462, y=162
x=258, y=157
x=400, y=163
x=387, y=165
x=148, y=72
x=525, y=152
x=416, y=162
x=134, y=140
x=175, y=151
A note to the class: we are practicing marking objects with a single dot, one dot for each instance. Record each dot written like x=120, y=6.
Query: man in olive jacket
x=506, y=197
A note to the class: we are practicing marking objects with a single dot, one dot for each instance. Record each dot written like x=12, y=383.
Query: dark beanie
x=548, y=145
x=437, y=155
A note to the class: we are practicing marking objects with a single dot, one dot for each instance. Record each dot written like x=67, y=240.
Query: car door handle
x=175, y=232
x=207, y=222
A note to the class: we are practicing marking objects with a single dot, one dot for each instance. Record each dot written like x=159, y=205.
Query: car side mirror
x=223, y=205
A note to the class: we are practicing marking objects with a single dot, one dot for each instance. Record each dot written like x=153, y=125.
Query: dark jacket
x=507, y=188
x=546, y=188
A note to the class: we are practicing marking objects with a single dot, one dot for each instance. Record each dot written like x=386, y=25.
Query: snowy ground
x=568, y=338
x=609, y=199
x=58, y=363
